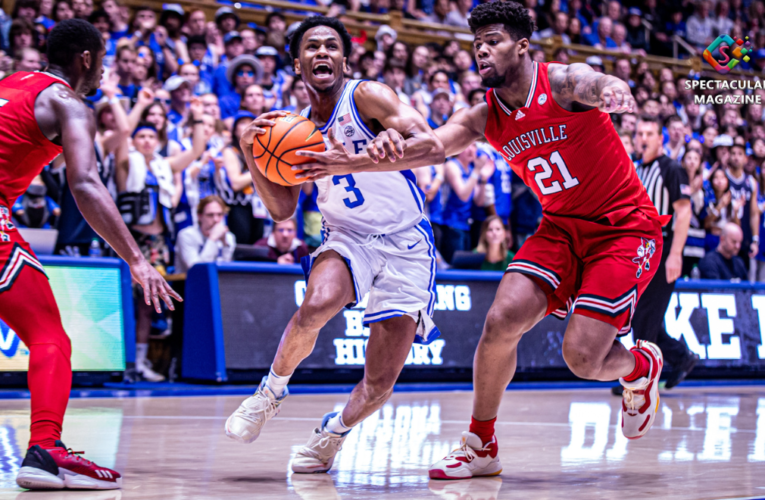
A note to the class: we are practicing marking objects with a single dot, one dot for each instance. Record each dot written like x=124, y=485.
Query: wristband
x=439, y=177
x=114, y=100
x=756, y=238
x=475, y=175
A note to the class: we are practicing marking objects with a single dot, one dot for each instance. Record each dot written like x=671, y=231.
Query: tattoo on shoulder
x=576, y=82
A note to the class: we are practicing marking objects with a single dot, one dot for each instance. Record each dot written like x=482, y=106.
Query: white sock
x=277, y=383
x=141, y=350
x=335, y=424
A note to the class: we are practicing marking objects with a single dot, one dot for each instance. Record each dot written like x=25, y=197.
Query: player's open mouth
x=322, y=70
x=484, y=68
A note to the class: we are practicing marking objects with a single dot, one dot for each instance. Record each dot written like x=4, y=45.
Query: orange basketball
x=275, y=150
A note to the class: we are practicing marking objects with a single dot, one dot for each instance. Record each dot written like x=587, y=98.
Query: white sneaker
x=472, y=459
x=319, y=454
x=146, y=373
x=640, y=400
x=245, y=424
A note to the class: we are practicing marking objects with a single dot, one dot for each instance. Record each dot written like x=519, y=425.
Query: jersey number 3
x=349, y=183
x=547, y=172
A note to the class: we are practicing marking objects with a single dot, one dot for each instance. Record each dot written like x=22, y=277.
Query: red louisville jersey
x=24, y=150
x=575, y=162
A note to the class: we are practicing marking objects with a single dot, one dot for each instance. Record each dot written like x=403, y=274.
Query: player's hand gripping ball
x=274, y=151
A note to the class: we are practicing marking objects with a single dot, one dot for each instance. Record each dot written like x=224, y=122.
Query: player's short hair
x=513, y=16
x=314, y=21
x=651, y=119
x=213, y=198
x=70, y=38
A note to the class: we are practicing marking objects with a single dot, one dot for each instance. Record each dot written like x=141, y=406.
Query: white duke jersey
x=366, y=202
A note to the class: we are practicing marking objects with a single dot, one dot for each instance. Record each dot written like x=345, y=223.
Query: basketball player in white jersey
x=375, y=237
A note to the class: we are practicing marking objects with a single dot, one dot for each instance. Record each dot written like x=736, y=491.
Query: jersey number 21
x=568, y=182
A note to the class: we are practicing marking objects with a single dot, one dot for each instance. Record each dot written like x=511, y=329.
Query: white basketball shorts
x=398, y=270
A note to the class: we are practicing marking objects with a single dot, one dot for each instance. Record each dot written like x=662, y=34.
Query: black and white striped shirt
x=666, y=182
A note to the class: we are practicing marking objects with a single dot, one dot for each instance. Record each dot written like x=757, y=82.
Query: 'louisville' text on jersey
x=536, y=137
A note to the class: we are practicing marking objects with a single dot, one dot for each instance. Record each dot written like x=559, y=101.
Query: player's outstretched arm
x=377, y=102
x=464, y=128
x=77, y=131
x=281, y=201
x=580, y=84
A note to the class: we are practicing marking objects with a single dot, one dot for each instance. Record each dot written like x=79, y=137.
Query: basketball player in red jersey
x=41, y=114
x=599, y=242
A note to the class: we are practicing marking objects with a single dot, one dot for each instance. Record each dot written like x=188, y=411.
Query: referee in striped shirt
x=667, y=185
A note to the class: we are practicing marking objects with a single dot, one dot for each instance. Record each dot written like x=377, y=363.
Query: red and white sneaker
x=472, y=459
x=58, y=468
x=640, y=399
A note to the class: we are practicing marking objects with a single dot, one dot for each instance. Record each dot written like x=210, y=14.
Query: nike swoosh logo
x=412, y=246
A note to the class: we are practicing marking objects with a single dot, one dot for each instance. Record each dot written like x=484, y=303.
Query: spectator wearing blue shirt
x=227, y=21
x=463, y=179
x=114, y=9
x=601, y=39
x=34, y=208
x=100, y=20
x=242, y=72
x=201, y=57
x=273, y=79
x=180, y=97
x=234, y=48
x=125, y=62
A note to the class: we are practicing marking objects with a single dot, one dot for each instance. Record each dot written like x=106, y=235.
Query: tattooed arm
x=578, y=87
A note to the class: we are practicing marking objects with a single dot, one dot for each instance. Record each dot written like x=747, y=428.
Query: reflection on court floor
x=706, y=443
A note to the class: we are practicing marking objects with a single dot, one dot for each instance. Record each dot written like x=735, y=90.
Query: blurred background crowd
x=181, y=85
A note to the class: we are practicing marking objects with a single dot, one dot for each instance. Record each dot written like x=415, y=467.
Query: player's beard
x=493, y=81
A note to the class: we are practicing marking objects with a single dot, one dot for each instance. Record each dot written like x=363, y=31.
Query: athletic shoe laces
x=260, y=413
x=325, y=448
x=633, y=399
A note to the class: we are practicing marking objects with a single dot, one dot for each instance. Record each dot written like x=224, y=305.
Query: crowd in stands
x=181, y=87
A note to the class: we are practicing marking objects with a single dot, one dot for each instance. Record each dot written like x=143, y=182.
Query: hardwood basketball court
x=707, y=443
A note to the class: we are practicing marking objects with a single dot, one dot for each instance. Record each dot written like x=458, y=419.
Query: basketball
x=275, y=151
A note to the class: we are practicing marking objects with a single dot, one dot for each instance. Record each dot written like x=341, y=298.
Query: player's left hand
x=334, y=161
x=616, y=100
x=154, y=286
x=674, y=266
x=389, y=142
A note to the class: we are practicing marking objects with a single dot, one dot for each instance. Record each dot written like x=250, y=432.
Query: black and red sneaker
x=60, y=467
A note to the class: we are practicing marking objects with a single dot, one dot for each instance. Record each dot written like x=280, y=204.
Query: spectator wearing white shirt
x=207, y=241
x=700, y=26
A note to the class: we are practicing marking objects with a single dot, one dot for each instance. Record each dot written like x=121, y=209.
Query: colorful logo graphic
x=740, y=49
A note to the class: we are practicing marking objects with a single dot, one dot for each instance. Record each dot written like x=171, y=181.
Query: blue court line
x=165, y=389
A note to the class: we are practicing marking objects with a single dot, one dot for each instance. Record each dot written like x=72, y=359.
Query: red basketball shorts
x=597, y=269
x=15, y=253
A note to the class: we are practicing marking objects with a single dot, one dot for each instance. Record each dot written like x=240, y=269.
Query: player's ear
x=346, y=70
x=296, y=63
x=523, y=46
x=87, y=59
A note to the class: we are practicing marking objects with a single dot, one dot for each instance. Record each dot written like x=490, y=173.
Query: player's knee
x=581, y=361
x=504, y=323
x=318, y=308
